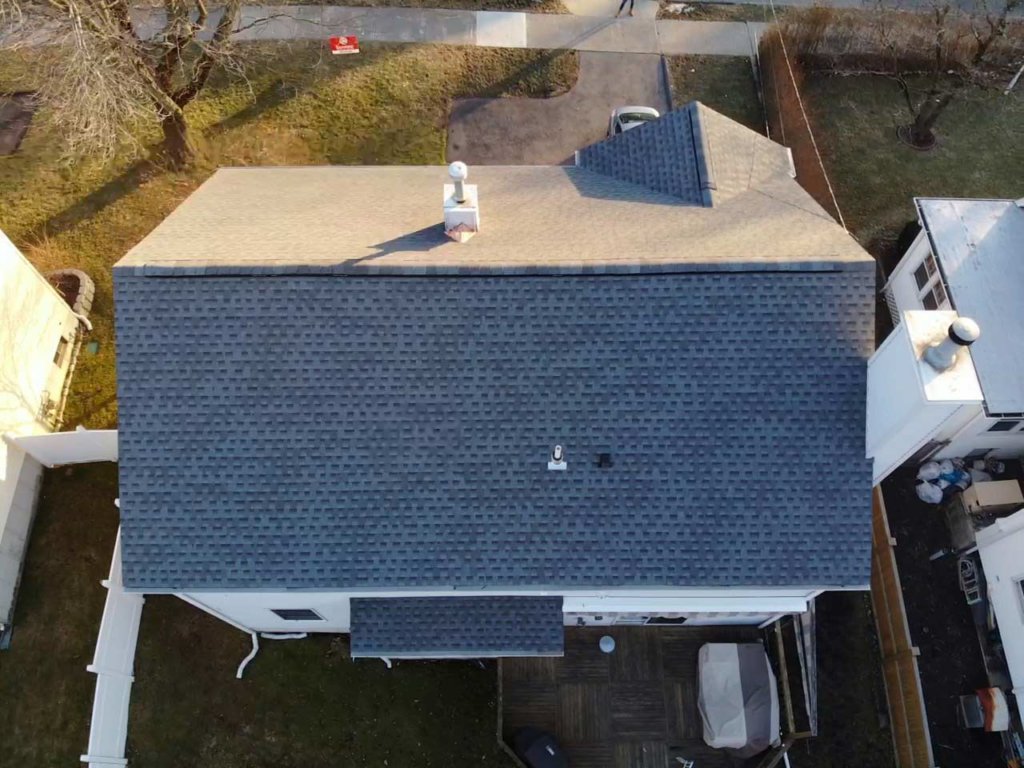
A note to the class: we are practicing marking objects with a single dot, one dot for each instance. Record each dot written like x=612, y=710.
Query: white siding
x=253, y=610
x=33, y=317
x=18, y=495
x=975, y=435
x=900, y=416
x=1001, y=547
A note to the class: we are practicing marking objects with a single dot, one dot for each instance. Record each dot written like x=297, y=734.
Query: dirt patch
x=717, y=12
x=782, y=79
x=941, y=626
x=16, y=110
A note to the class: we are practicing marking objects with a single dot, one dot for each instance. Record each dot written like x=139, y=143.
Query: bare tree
x=952, y=63
x=104, y=75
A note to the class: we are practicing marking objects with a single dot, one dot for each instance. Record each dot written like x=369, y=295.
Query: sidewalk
x=486, y=28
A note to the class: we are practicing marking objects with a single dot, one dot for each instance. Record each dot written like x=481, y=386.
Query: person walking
x=623, y=5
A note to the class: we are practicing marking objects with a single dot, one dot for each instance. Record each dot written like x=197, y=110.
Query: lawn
x=301, y=703
x=875, y=176
x=45, y=690
x=388, y=105
x=724, y=83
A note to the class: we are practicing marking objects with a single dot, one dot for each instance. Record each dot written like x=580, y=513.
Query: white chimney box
x=461, y=205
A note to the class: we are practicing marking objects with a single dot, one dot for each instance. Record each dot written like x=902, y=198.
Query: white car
x=625, y=118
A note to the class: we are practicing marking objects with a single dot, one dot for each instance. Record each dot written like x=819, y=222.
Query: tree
x=951, y=64
x=105, y=72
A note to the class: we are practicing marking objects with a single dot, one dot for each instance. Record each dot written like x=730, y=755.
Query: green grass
x=724, y=83
x=388, y=105
x=302, y=704
x=875, y=176
x=45, y=690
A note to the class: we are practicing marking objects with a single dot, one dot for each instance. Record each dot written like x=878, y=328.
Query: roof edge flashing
x=702, y=152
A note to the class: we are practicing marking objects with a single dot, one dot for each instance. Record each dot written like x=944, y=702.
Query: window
x=62, y=350
x=297, y=614
x=930, y=290
x=1004, y=425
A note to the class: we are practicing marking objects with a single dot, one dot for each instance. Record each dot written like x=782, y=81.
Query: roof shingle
x=456, y=627
x=319, y=432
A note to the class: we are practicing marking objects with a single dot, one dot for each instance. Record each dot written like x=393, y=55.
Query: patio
x=633, y=708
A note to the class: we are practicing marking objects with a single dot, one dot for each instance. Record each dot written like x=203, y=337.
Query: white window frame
x=931, y=269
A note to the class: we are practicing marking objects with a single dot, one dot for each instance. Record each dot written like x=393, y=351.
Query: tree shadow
x=143, y=169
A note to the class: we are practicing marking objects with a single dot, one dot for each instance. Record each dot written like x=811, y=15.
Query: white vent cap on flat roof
x=942, y=354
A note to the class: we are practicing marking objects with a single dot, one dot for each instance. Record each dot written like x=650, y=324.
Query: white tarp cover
x=738, y=698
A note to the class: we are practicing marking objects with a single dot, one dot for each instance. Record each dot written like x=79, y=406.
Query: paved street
x=490, y=28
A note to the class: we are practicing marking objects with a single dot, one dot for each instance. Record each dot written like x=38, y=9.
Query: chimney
x=942, y=354
x=461, y=210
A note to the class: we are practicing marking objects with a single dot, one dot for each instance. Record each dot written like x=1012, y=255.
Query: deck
x=633, y=708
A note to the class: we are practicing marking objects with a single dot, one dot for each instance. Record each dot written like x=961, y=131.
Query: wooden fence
x=911, y=738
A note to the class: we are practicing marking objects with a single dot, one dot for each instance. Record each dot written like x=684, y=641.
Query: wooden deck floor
x=633, y=708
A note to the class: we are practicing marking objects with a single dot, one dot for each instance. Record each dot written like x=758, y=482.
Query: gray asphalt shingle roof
x=323, y=432
x=669, y=155
x=338, y=403
x=456, y=627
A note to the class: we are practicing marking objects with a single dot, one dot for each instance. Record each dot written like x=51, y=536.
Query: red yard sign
x=345, y=44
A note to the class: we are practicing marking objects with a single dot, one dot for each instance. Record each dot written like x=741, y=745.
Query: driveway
x=523, y=131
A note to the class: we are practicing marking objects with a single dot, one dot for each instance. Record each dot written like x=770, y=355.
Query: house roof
x=535, y=220
x=456, y=627
x=697, y=155
x=292, y=418
x=977, y=244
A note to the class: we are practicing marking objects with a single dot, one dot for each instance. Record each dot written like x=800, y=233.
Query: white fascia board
x=657, y=605
x=801, y=592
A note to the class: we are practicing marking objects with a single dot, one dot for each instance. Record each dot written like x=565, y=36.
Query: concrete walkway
x=487, y=28
x=522, y=131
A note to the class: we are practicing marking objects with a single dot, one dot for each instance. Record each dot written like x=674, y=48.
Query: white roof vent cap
x=459, y=172
x=942, y=354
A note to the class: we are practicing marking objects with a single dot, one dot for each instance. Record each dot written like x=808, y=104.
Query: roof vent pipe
x=458, y=171
x=962, y=333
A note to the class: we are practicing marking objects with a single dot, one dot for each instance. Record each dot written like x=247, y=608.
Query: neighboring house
x=967, y=261
x=633, y=392
x=37, y=338
x=1001, y=549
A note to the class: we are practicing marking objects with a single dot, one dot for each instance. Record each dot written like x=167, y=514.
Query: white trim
x=801, y=591
x=212, y=612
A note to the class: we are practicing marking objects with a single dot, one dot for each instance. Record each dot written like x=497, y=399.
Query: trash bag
x=946, y=467
x=980, y=476
x=929, y=471
x=930, y=493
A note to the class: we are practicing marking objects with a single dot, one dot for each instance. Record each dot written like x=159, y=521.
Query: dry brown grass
x=882, y=40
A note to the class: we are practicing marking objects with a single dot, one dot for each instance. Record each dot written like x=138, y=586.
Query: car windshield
x=635, y=117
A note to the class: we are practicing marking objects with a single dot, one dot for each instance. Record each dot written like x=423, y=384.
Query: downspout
x=250, y=657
